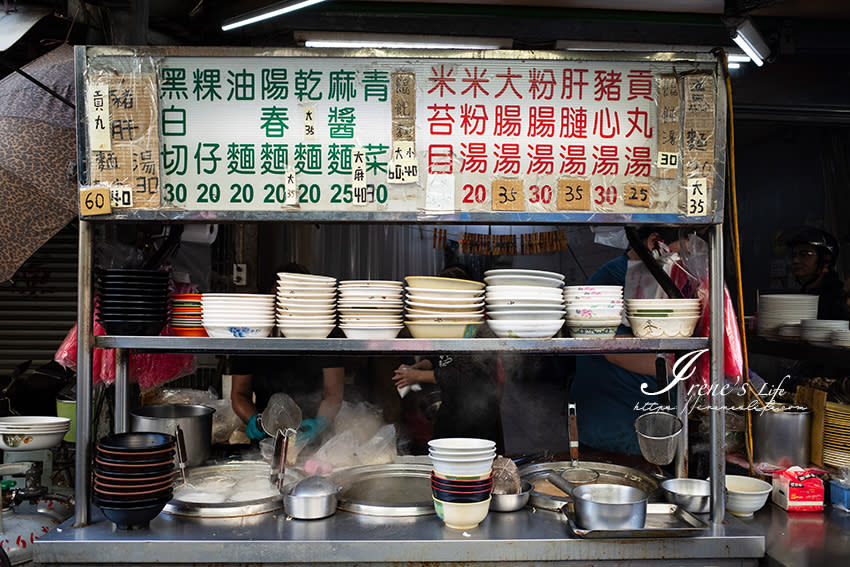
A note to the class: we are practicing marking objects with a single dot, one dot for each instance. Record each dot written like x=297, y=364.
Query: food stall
x=421, y=137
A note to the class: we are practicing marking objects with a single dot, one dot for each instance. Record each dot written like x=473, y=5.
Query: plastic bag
x=148, y=370
x=641, y=284
x=695, y=261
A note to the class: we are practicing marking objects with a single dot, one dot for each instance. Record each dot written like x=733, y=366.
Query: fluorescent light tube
x=748, y=49
x=266, y=13
x=748, y=38
x=354, y=40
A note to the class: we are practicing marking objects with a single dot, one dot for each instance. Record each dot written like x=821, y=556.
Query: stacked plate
x=524, y=303
x=187, y=315
x=836, y=441
x=775, y=310
x=29, y=433
x=443, y=308
x=133, y=477
x=593, y=311
x=247, y=315
x=663, y=318
x=306, y=305
x=462, y=479
x=132, y=302
x=819, y=331
x=370, y=309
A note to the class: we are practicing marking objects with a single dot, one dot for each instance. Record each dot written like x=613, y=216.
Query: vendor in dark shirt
x=813, y=256
x=315, y=383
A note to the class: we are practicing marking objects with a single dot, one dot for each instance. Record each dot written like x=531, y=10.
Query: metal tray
x=232, y=508
x=662, y=520
x=614, y=474
x=386, y=490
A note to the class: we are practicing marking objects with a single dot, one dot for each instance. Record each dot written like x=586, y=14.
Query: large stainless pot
x=605, y=506
x=194, y=420
x=782, y=438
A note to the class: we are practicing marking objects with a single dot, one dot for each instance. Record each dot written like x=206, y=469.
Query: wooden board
x=816, y=401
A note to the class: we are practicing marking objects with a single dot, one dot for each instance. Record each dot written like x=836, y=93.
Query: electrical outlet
x=240, y=275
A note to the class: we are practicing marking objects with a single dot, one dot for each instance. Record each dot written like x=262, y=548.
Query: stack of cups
x=462, y=479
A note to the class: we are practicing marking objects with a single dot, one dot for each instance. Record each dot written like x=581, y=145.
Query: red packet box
x=797, y=490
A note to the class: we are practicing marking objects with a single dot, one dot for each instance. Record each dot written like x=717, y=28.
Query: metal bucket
x=782, y=437
x=195, y=420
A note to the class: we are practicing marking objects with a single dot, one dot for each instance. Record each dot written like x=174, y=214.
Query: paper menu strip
x=668, y=121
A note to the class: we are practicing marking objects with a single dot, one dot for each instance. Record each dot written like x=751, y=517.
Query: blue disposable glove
x=310, y=429
x=254, y=429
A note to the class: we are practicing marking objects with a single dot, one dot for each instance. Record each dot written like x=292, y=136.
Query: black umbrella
x=38, y=189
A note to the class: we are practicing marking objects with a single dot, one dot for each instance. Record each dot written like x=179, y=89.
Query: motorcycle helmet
x=824, y=243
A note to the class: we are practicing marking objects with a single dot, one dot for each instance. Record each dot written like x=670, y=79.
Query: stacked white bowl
x=819, y=331
x=243, y=315
x=370, y=309
x=524, y=303
x=29, y=433
x=443, y=308
x=840, y=339
x=593, y=311
x=306, y=305
x=663, y=318
x=464, y=459
x=775, y=310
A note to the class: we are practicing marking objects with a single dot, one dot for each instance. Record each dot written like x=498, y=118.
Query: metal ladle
x=576, y=474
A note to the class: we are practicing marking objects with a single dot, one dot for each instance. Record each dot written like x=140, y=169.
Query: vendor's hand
x=405, y=376
x=310, y=429
x=253, y=429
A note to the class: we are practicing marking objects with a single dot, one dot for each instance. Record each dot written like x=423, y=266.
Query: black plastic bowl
x=139, y=441
x=132, y=327
x=460, y=497
x=133, y=517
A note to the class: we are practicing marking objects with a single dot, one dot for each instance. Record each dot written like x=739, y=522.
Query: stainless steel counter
x=527, y=537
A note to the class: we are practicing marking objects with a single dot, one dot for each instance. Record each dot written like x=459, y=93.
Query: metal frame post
x=122, y=369
x=85, y=346
x=717, y=461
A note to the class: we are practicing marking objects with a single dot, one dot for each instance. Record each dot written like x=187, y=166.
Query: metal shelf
x=395, y=346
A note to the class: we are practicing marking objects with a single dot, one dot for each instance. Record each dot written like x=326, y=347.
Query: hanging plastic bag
x=695, y=261
x=641, y=284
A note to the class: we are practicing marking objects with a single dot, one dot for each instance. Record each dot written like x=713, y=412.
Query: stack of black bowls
x=134, y=477
x=132, y=302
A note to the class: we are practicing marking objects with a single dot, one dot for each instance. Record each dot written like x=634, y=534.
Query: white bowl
x=469, y=467
x=463, y=456
x=34, y=420
x=445, y=330
x=461, y=444
x=472, y=314
x=663, y=303
x=391, y=312
x=524, y=306
x=310, y=278
x=236, y=322
x=312, y=303
x=369, y=283
x=445, y=307
x=31, y=441
x=532, y=291
x=594, y=289
x=440, y=300
x=663, y=327
x=593, y=329
x=303, y=331
x=237, y=297
x=371, y=332
x=525, y=328
x=434, y=282
x=221, y=331
x=470, y=293
x=593, y=313
x=523, y=272
x=527, y=314
x=745, y=495
x=462, y=515
x=371, y=292
x=299, y=312
x=295, y=316
x=437, y=317
x=524, y=280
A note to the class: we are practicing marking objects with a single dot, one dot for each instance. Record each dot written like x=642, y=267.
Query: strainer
x=281, y=413
x=657, y=434
x=574, y=473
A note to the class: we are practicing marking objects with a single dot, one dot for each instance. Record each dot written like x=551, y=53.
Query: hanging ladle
x=576, y=474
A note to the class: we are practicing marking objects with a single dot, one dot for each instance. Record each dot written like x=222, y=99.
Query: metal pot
x=692, y=494
x=194, y=420
x=312, y=498
x=782, y=437
x=605, y=506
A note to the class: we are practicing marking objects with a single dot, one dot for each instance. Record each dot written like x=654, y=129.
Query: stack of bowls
x=663, y=318
x=593, y=311
x=132, y=302
x=306, y=305
x=247, y=315
x=524, y=303
x=30, y=432
x=187, y=315
x=462, y=479
x=443, y=308
x=819, y=331
x=776, y=310
x=840, y=339
x=133, y=477
x=370, y=309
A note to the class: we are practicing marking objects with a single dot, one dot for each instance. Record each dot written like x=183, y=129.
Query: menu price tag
x=697, y=197
x=440, y=192
x=97, y=111
x=358, y=172
x=121, y=197
x=95, y=201
x=668, y=160
x=309, y=123
x=290, y=185
x=402, y=172
x=637, y=195
x=508, y=195
x=573, y=195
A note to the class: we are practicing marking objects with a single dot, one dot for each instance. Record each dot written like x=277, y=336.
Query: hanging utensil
x=181, y=453
x=576, y=474
x=277, y=446
x=281, y=472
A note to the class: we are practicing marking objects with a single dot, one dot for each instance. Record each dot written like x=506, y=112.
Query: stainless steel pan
x=605, y=506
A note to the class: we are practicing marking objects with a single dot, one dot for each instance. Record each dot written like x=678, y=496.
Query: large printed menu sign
x=437, y=135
